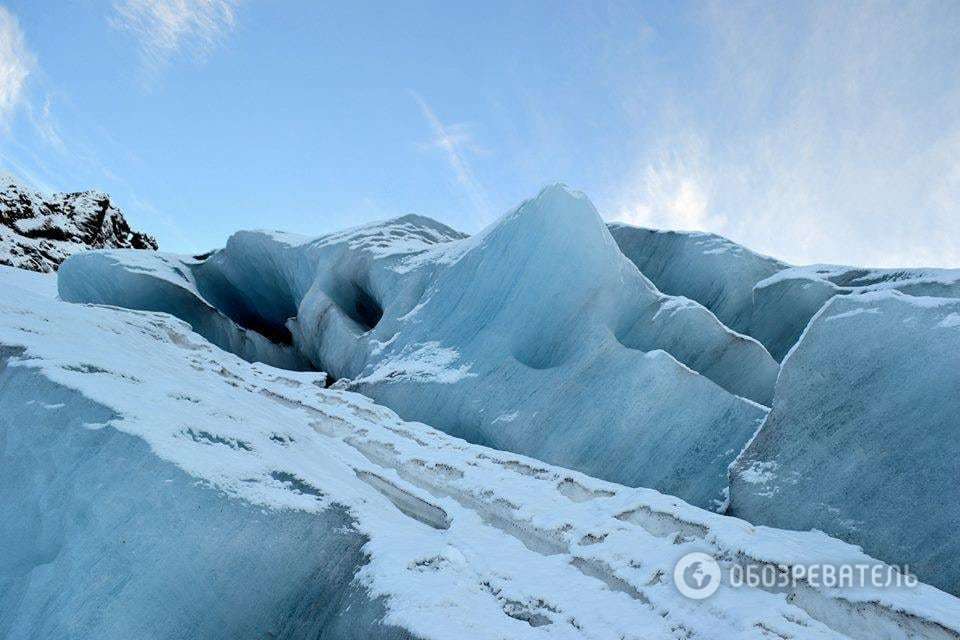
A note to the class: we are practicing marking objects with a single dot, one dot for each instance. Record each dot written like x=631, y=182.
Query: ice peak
x=559, y=199
x=556, y=212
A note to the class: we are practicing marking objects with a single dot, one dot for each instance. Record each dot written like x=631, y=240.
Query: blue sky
x=816, y=132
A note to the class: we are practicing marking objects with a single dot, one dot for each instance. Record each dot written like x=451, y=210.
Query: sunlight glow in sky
x=811, y=131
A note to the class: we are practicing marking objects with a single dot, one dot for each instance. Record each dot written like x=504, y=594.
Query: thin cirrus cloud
x=830, y=134
x=35, y=149
x=453, y=140
x=16, y=63
x=165, y=29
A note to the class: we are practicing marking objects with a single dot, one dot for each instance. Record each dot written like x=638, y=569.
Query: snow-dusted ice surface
x=862, y=441
x=758, y=295
x=41, y=284
x=717, y=273
x=187, y=493
x=536, y=336
x=785, y=302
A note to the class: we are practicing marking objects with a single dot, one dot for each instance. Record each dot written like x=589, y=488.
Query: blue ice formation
x=103, y=539
x=536, y=336
x=757, y=295
x=717, y=273
x=861, y=441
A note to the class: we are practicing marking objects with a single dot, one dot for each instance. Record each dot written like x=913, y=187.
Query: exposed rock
x=38, y=232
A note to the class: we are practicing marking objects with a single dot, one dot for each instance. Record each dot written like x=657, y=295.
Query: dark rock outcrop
x=38, y=232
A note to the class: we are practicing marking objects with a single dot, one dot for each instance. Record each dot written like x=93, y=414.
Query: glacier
x=757, y=295
x=861, y=441
x=186, y=492
x=786, y=301
x=520, y=338
x=160, y=282
x=716, y=272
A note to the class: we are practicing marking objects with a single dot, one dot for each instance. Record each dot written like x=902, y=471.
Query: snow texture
x=38, y=232
x=862, y=438
x=540, y=316
x=188, y=493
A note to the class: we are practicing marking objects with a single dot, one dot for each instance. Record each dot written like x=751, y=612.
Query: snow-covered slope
x=863, y=441
x=38, y=231
x=758, y=295
x=187, y=493
x=535, y=336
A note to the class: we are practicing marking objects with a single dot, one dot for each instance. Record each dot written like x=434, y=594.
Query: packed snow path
x=458, y=541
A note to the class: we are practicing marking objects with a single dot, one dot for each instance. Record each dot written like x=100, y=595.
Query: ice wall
x=785, y=302
x=163, y=282
x=536, y=336
x=862, y=438
x=717, y=273
x=758, y=295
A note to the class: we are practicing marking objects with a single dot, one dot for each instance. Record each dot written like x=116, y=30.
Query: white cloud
x=165, y=28
x=453, y=139
x=671, y=189
x=45, y=124
x=16, y=63
x=825, y=132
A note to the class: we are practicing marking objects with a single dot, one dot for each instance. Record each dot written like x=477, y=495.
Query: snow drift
x=522, y=338
x=187, y=493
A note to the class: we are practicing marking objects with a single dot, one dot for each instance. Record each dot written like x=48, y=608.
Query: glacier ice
x=861, y=441
x=158, y=282
x=520, y=338
x=188, y=493
x=785, y=302
x=757, y=295
x=717, y=273
x=103, y=539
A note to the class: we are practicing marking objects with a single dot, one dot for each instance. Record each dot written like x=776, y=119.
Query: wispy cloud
x=828, y=132
x=16, y=63
x=672, y=189
x=167, y=28
x=453, y=140
x=56, y=145
x=45, y=124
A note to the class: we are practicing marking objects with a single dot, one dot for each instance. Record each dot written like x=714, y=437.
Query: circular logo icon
x=697, y=576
